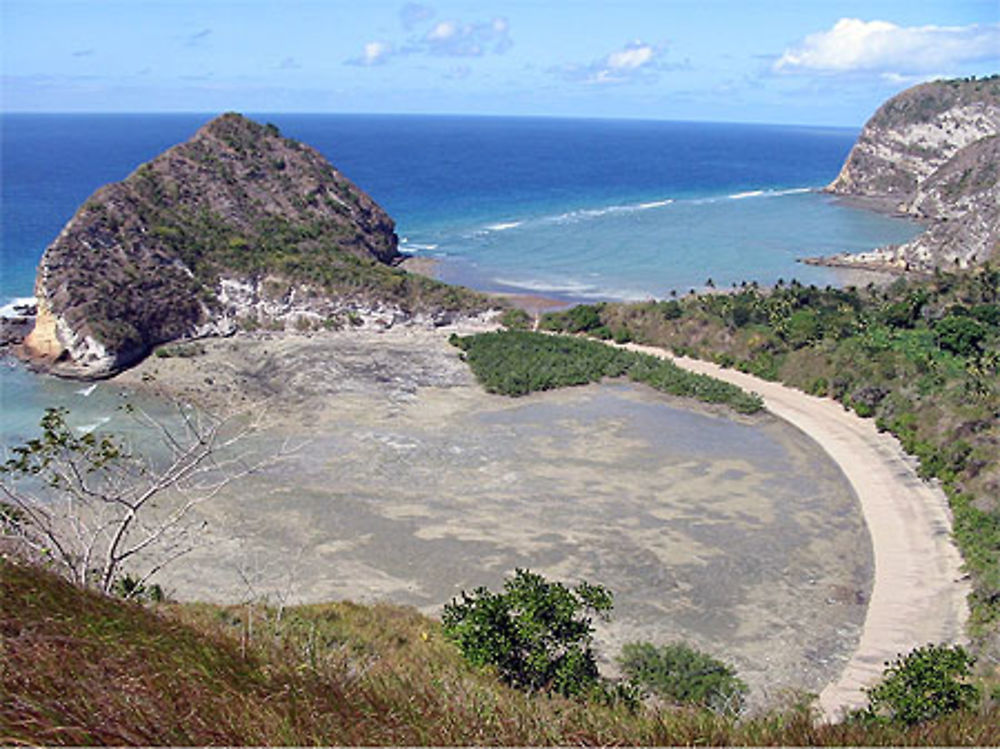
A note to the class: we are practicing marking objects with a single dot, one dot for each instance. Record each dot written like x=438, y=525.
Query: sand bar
x=919, y=592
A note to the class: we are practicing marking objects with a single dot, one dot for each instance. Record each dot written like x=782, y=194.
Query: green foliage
x=924, y=685
x=516, y=319
x=538, y=634
x=960, y=334
x=518, y=363
x=179, y=350
x=133, y=588
x=57, y=441
x=683, y=675
x=580, y=319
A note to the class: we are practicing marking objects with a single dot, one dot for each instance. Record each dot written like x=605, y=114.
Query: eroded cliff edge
x=237, y=227
x=932, y=153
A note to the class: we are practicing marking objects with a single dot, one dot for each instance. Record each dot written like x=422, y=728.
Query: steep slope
x=916, y=132
x=931, y=153
x=238, y=222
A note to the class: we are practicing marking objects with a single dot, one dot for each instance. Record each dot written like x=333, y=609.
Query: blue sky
x=786, y=61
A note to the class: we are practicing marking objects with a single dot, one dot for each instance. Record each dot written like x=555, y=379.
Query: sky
x=810, y=62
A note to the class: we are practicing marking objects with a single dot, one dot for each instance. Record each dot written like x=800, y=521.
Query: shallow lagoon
x=738, y=535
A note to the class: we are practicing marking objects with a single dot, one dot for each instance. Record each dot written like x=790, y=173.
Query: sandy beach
x=919, y=592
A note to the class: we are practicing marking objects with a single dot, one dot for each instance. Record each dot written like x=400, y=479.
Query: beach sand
x=919, y=592
x=735, y=534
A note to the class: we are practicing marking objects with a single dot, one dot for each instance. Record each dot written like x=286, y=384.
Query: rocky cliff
x=237, y=226
x=931, y=152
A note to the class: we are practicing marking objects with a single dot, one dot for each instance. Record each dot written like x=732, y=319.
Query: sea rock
x=236, y=225
x=931, y=152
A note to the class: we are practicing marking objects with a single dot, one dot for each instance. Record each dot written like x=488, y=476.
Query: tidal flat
x=738, y=535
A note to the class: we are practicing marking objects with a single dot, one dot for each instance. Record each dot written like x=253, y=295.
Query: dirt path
x=919, y=592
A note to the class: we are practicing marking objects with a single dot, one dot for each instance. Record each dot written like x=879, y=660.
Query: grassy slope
x=904, y=356
x=77, y=668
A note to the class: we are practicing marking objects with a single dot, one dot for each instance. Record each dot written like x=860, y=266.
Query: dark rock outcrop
x=931, y=152
x=184, y=246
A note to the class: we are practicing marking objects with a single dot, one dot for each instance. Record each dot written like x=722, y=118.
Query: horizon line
x=466, y=115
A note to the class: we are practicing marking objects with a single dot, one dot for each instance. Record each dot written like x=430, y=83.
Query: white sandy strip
x=919, y=593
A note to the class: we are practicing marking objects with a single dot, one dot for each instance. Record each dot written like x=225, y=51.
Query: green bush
x=519, y=362
x=537, y=633
x=516, y=319
x=683, y=675
x=959, y=334
x=924, y=685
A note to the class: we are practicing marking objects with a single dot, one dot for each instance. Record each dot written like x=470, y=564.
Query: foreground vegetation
x=515, y=362
x=922, y=357
x=82, y=668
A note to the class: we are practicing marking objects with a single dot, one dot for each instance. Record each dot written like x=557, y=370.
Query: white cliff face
x=931, y=152
x=273, y=304
x=899, y=148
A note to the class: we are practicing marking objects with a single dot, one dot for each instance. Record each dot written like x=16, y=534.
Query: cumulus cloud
x=373, y=53
x=452, y=38
x=635, y=61
x=413, y=14
x=853, y=45
x=445, y=38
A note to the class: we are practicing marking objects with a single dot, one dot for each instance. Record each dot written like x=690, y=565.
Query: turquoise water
x=577, y=209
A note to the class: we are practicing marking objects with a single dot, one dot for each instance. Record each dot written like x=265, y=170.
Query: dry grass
x=78, y=668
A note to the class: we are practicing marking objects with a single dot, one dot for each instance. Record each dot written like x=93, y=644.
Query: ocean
x=573, y=209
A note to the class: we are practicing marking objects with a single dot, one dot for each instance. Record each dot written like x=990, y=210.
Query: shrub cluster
x=519, y=362
x=683, y=675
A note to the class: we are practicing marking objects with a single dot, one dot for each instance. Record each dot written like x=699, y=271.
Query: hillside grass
x=921, y=357
x=82, y=669
x=515, y=362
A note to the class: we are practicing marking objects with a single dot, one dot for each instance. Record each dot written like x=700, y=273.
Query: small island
x=238, y=227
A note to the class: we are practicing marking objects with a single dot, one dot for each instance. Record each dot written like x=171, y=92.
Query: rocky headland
x=239, y=227
x=931, y=153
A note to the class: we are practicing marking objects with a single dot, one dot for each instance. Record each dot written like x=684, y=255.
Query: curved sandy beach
x=919, y=591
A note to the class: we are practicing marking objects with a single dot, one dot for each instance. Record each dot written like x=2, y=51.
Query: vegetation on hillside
x=538, y=634
x=82, y=668
x=922, y=357
x=142, y=260
x=925, y=684
x=515, y=362
x=682, y=675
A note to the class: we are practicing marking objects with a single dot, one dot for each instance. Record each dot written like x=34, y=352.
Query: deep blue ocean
x=578, y=209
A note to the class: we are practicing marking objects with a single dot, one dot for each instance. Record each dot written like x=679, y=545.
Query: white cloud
x=631, y=58
x=442, y=32
x=635, y=61
x=451, y=38
x=444, y=38
x=853, y=45
x=373, y=53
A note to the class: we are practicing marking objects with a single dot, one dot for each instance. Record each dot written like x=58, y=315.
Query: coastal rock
x=931, y=152
x=160, y=256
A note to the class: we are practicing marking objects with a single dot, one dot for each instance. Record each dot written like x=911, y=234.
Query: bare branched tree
x=96, y=507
